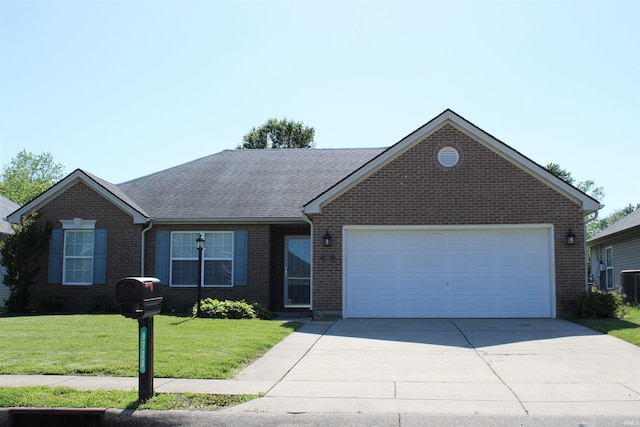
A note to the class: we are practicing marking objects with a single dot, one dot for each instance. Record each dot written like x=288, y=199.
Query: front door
x=297, y=271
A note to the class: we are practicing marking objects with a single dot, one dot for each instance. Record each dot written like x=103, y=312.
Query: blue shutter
x=99, y=257
x=55, y=256
x=240, y=258
x=163, y=255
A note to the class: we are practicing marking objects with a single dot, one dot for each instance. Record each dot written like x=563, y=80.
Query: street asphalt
x=412, y=372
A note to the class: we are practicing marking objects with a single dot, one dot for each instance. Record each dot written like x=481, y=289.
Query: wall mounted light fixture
x=326, y=240
x=571, y=238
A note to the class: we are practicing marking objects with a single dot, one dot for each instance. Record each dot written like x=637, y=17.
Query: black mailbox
x=139, y=297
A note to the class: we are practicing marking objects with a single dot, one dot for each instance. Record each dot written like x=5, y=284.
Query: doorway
x=297, y=272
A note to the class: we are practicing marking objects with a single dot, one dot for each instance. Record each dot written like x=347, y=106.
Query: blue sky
x=126, y=88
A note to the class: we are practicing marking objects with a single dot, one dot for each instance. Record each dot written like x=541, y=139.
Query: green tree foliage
x=279, y=134
x=28, y=175
x=593, y=223
x=598, y=225
x=19, y=254
x=588, y=187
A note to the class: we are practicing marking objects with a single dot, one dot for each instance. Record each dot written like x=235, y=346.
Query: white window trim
x=204, y=258
x=78, y=224
x=608, y=267
x=65, y=257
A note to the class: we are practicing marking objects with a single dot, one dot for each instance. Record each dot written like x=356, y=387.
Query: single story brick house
x=447, y=222
x=615, y=249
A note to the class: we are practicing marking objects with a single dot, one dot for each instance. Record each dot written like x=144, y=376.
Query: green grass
x=627, y=328
x=58, y=397
x=107, y=345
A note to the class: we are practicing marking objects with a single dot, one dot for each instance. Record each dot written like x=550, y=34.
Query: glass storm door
x=297, y=271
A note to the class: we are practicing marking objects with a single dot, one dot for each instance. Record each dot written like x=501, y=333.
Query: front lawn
x=107, y=345
x=627, y=328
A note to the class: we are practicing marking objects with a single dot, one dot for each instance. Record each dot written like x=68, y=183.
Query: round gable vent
x=448, y=157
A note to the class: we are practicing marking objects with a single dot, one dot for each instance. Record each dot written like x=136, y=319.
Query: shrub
x=261, y=311
x=216, y=309
x=53, y=304
x=598, y=304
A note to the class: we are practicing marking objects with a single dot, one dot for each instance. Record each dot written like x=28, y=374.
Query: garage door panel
x=453, y=273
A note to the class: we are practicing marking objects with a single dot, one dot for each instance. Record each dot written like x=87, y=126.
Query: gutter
x=142, y=247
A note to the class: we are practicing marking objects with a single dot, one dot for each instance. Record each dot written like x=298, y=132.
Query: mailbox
x=139, y=297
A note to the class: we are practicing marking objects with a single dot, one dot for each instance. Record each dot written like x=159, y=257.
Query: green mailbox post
x=139, y=298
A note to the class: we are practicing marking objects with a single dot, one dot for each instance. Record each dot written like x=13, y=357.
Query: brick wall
x=414, y=189
x=124, y=254
x=123, y=245
x=257, y=289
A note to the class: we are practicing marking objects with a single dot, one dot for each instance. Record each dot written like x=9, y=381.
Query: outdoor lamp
x=571, y=238
x=326, y=240
x=200, y=242
x=200, y=248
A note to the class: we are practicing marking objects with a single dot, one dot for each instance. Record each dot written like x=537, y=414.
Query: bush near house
x=599, y=305
x=216, y=309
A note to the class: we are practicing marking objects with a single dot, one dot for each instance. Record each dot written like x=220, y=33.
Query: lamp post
x=200, y=247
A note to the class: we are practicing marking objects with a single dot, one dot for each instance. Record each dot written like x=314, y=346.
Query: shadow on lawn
x=607, y=325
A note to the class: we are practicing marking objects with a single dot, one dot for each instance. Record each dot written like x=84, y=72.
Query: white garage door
x=452, y=272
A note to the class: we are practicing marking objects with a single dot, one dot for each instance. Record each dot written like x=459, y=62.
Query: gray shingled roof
x=244, y=184
x=628, y=222
x=6, y=207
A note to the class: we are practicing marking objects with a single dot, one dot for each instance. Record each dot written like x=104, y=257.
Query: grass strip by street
x=627, y=328
x=107, y=345
x=57, y=397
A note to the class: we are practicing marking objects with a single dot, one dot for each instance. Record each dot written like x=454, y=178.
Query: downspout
x=142, y=252
x=307, y=219
x=586, y=256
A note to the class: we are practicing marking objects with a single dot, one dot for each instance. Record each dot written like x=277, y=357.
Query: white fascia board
x=65, y=184
x=586, y=203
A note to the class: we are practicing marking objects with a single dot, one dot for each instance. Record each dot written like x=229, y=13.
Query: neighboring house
x=6, y=207
x=448, y=222
x=615, y=249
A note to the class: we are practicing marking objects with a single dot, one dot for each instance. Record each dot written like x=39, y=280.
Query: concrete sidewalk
x=506, y=368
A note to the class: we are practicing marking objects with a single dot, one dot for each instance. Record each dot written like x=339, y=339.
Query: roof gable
x=110, y=191
x=448, y=117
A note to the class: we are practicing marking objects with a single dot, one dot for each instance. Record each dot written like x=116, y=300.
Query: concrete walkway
x=442, y=367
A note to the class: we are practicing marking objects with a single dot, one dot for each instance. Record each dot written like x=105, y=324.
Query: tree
x=28, y=175
x=598, y=225
x=279, y=134
x=20, y=252
x=588, y=187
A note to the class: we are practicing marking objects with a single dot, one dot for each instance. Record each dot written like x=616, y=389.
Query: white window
x=217, y=258
x=78, y=257
x=609, y=265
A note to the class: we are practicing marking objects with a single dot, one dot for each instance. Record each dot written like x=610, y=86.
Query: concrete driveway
x=509, y=367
